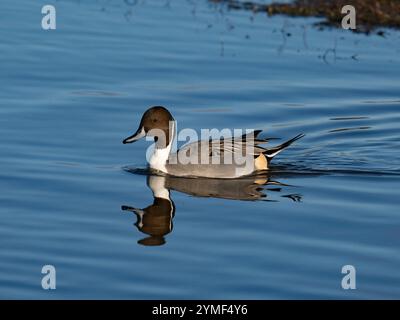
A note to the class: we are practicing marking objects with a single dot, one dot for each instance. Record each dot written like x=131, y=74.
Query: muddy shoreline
x=371, y=15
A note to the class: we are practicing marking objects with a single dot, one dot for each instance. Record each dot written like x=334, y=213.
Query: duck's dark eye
x=155, y=138
x=154, y=120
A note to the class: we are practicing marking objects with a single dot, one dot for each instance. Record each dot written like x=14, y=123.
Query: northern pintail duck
x=204, y=158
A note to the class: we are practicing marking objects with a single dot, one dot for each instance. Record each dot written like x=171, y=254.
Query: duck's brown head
x=156, y=122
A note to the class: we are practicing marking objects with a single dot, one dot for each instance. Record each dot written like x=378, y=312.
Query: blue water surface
x=69, y=96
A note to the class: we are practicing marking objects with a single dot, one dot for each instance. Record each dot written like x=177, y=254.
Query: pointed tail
x=270, y=153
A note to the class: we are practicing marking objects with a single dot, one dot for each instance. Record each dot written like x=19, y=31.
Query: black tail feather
x=270, y=153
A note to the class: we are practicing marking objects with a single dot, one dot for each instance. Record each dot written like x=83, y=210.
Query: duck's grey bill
x=136, y=136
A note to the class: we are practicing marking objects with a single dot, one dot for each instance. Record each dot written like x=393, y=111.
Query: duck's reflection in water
x=156, y=219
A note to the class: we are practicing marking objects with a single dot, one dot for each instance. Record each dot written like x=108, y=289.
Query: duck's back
x=222, y=158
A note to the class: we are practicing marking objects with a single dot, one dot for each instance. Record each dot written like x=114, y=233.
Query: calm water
x=69, y=97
